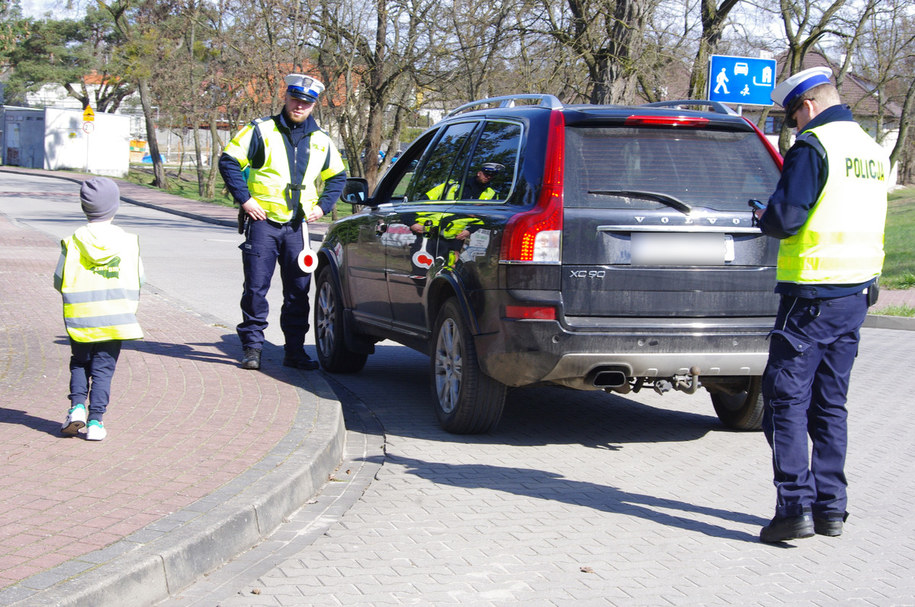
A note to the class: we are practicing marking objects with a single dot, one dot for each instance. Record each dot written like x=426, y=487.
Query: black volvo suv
x=522, y=241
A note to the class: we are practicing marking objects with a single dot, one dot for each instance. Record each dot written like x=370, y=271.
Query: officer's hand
x=314, y=214
x=254, y=210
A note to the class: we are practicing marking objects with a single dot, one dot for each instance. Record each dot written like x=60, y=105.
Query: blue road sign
x=741, y=80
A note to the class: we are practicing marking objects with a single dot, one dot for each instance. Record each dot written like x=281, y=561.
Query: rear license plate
x=681, y=249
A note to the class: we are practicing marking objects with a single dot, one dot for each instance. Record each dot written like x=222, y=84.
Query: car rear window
x=713, y=169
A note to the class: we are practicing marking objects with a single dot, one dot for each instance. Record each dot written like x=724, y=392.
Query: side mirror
x=356, y=191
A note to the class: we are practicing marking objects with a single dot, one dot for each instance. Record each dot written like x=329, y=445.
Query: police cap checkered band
x=491, y=167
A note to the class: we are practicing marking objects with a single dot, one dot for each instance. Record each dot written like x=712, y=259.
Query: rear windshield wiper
x=663, y=198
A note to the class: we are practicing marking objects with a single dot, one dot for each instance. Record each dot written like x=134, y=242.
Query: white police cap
x=798, y=84
x=303, y=87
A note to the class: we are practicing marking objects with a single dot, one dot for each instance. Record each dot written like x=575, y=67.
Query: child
x=99, y=275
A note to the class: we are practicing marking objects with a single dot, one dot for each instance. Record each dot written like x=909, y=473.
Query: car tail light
x=531, y=312
x=674, y=121
x=535, y=236
x=773, y=151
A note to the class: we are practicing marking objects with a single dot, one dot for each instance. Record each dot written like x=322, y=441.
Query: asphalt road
x=575, y=499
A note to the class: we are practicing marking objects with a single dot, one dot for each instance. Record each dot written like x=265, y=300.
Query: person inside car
x=476, y=186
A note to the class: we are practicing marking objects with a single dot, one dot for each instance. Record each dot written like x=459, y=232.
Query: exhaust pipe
x=605, y=378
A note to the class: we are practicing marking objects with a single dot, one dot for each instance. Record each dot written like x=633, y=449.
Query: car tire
x=467, y=401
x=333, y=354
x=743, y=410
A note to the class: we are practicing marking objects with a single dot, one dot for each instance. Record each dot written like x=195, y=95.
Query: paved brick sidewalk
x=184, y=423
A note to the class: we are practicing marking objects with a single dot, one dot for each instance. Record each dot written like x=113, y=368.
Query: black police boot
x=782, y=528
x=300, y=360
x=252, y=359
x=829, y=525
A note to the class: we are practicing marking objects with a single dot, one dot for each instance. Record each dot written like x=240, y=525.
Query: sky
x=59, y=9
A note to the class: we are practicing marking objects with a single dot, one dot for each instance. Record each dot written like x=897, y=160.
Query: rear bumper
x=525, y=352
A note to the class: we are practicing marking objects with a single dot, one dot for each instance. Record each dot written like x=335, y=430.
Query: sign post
x=88, y=127
x=741, y=80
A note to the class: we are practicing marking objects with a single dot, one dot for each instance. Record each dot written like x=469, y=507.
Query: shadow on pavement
x=533, y=416
x=21, y=418
x=551, y=486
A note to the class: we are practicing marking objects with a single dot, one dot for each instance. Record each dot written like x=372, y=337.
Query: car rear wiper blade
x=663, y=198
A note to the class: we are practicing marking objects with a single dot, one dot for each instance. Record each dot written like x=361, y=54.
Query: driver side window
x=440, y=175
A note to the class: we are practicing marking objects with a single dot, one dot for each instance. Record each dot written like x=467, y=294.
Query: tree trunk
x=215, y=152
x=198, y=157
x=617, y=71
x=713, y=19
x=159, y=179
x=904, y=124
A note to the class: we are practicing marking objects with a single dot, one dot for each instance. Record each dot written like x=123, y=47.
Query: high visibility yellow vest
x=456, y=226
x=453, y=227
x=436, y=218
x=100, y=301
x=436, y=192
x=271, y=185
x=842, y=239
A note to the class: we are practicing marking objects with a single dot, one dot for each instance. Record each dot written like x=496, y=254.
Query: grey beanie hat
x=100, y=198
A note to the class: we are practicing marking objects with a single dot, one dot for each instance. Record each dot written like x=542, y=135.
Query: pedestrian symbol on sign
x=721, y=81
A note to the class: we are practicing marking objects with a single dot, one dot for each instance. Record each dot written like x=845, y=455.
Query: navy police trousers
x=267, y=243
x=805, y=386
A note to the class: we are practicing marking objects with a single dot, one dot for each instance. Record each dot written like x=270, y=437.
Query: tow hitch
x=683, y=383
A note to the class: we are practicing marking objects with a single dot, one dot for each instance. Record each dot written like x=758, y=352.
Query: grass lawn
x=899, y=265
x=903, y=310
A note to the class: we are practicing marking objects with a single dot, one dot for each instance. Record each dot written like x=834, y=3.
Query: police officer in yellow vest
x=99, y=275
x=828, y=210
x=271, y=167
x=476, y=186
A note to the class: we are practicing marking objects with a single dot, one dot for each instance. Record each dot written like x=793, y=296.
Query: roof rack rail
x=546, y=100
x=717, y=106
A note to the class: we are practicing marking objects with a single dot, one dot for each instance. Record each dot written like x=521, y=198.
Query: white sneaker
x=76, y=419
x=96, y=430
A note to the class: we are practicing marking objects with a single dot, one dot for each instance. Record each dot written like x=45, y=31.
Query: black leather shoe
x=782, y=528
x=252, y=359
x=300, y=361
x=829, y=525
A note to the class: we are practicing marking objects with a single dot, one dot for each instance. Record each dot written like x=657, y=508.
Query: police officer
x=828, y=210
x=476, y=187
x=271, y=168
